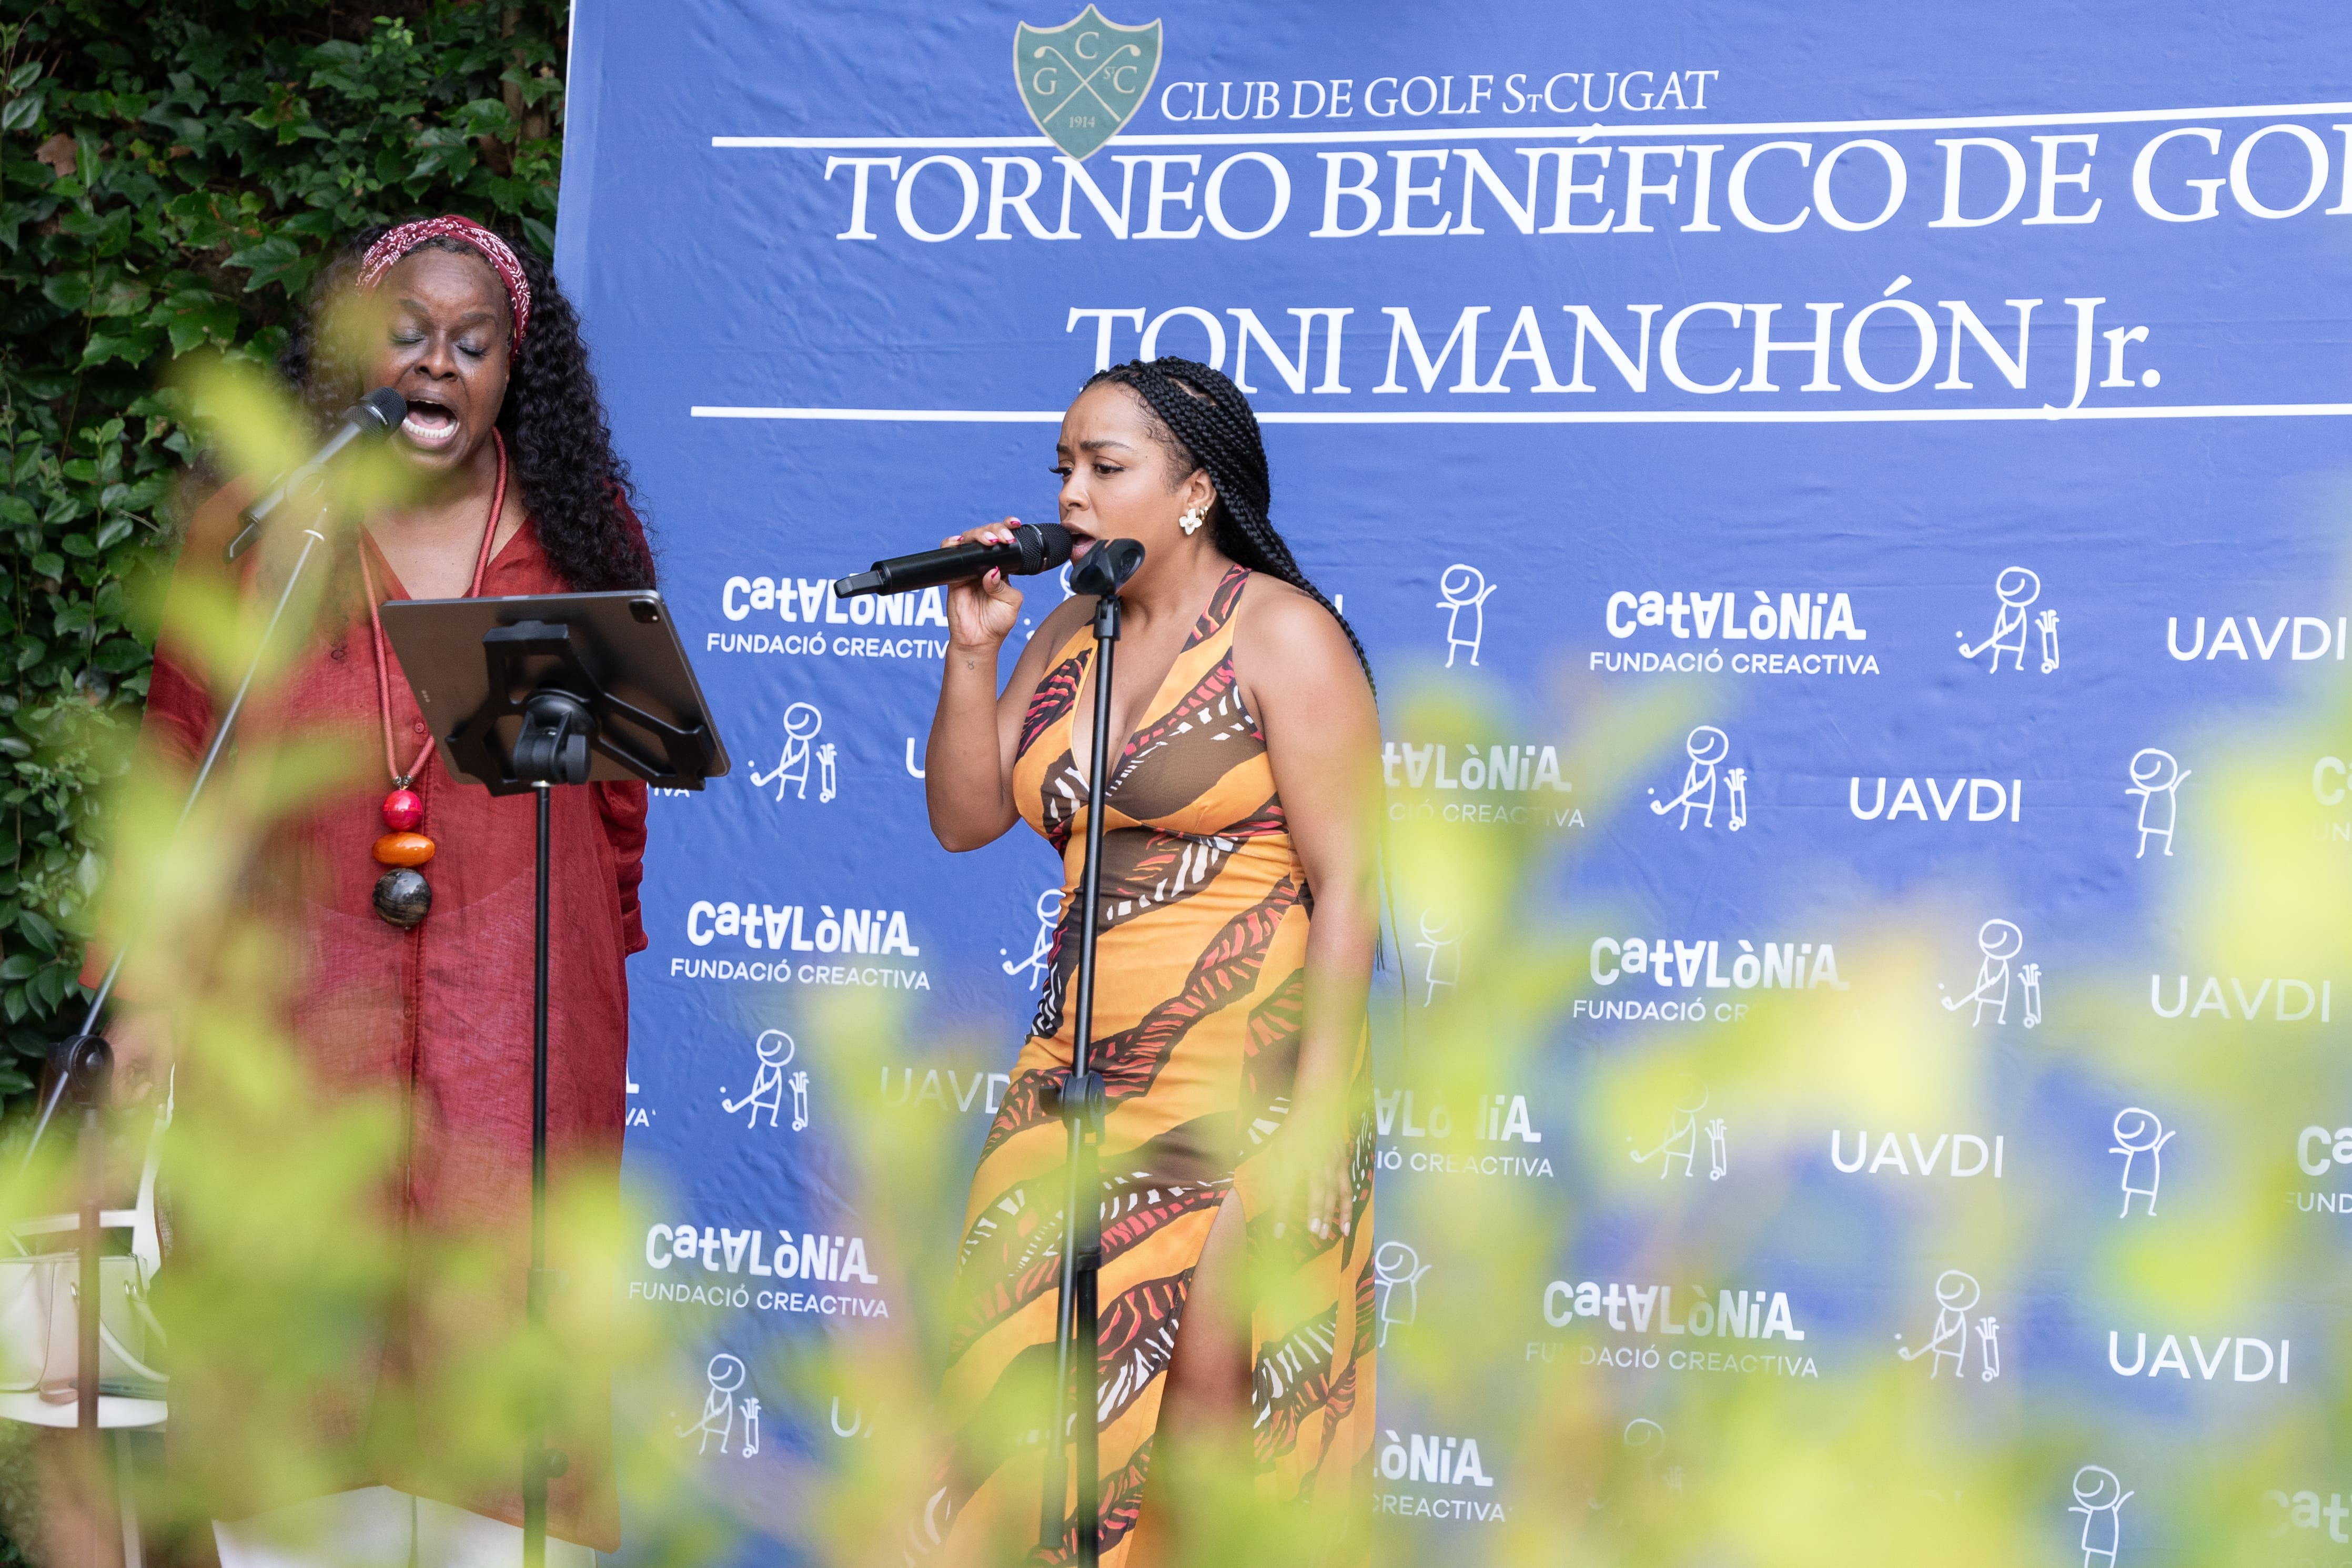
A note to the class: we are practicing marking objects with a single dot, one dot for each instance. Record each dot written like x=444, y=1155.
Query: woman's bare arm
x=1322, y=737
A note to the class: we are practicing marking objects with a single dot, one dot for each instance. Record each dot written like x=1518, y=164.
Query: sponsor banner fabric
x=1946, y=405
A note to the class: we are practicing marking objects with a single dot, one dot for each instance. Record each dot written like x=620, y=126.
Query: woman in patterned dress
x=1238, y=923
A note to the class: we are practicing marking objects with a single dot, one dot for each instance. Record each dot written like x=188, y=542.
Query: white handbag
x=41, y=1292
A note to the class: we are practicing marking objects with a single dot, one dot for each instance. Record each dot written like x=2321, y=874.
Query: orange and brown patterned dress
x=1197, y=1019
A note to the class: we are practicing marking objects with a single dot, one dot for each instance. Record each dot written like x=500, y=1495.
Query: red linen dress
x=440, y=1018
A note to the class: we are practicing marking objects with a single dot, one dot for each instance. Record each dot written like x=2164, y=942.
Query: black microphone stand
x=1084, y=1100
x=551, y=750
x=85, y=1065
x=311, y=539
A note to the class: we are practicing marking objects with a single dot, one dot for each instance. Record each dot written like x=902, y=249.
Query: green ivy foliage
x=171, y=174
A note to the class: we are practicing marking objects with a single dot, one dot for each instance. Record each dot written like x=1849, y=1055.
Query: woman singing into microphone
x=403, y=903
x=1238, y=923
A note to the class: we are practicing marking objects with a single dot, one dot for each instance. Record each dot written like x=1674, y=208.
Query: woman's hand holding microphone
x=983, y=609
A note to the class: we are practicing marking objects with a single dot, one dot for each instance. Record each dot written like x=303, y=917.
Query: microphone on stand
x=375, y=415
x=1035, y=548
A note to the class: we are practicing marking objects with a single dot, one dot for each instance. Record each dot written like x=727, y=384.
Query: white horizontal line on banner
x=1577, y=132
x=911, y=415
x=1574, y=416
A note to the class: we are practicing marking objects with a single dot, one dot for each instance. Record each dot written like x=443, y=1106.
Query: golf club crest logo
x=1083, y=80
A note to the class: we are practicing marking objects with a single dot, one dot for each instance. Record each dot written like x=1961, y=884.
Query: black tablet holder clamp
x=566, y=713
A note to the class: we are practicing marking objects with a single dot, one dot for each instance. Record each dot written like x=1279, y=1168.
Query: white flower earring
x=1191, y=522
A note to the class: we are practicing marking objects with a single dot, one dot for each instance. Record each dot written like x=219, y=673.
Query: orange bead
x=403, y=848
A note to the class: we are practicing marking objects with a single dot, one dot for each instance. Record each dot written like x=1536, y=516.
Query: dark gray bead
x=404, y=897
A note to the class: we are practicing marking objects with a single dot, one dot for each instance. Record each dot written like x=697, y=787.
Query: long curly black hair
x=1203, y=421
x=576, y=487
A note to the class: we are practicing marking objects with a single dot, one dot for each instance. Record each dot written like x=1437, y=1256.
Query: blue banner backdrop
x=1936, y=395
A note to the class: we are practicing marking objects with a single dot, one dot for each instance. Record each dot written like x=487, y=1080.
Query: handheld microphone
x=1035, y=548
x=375, y=415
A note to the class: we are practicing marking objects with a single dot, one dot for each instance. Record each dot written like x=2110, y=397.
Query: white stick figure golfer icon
x=1041, y=947
x=2157, y=773
x=774, y=1049
x=1646, y=1440
x=2140, y=1137
x=1681, y=1141
x=1464, y=588
x=1706, y=747
x=2000, y=941
x=2015, y=588
x=802, y=722
x=2099, y=1497
x=1957, y=1293
x=726, y=1376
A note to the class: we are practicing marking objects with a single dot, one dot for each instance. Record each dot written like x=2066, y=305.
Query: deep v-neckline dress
x=1205, y=915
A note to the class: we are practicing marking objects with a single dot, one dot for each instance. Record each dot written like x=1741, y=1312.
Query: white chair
x=38, y=1328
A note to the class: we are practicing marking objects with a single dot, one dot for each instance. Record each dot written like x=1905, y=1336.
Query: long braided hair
x=1203, y=421
x=576, y=485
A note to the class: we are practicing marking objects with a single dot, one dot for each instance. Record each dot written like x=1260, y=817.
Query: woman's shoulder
x=1265, y=594
x=1286, y=620
x=1281, y=628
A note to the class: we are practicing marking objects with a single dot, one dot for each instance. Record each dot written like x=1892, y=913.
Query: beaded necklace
x=403, y=896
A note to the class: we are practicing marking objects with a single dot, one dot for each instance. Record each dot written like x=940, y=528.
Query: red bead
x=402, y=809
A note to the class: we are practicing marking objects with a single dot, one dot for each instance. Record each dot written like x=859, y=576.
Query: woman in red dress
x=414, y=982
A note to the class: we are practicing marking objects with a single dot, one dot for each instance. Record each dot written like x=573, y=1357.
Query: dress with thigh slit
x=1198, y=1007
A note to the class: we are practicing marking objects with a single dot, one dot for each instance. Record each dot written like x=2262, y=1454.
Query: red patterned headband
x=397, y=243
